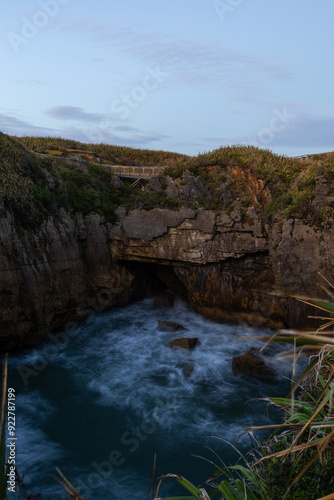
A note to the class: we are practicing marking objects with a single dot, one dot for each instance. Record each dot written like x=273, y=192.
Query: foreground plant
x=300, y=453
x=297, y=461
x=70, y=490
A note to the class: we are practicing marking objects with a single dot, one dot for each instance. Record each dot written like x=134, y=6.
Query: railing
x=121, y=170
x=314, y=154
x=128, y=171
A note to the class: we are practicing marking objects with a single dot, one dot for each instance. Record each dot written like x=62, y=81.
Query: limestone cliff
x=229, y=268
x=234, y=232
x=59, y=273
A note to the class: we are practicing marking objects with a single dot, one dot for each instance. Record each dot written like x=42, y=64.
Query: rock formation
x=231, y=268
x=184, y=343
x=170, y=326
x=253, y=364
x=228, y=268
x=233, y=262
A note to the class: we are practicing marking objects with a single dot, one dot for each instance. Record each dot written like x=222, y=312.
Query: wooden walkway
x=142, y=172
x=135, y=172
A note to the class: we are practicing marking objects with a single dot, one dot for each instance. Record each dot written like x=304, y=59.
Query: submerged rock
x=164, y=300
x=254, y=364
x=188, y=370
x=185, y=343
x=170, y=326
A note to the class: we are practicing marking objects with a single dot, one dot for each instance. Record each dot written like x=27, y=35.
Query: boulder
x=169, y=326
x=184, y=343
x=254, y=364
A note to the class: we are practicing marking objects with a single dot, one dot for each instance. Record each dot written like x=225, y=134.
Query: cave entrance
x=152, y=280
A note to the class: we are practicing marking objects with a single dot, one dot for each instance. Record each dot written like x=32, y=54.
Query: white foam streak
x=133, y=368
x=121, y=368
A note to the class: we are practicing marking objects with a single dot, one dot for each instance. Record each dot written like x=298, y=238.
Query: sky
x=187, y=76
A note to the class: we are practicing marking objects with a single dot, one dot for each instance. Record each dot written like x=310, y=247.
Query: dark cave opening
x=152, y=280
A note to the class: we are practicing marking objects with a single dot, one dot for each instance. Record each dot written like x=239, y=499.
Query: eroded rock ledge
x=228, y=265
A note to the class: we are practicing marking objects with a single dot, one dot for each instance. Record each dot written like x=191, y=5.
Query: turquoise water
x=101, y=402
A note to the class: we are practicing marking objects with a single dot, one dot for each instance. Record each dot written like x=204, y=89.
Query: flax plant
x=70, y=490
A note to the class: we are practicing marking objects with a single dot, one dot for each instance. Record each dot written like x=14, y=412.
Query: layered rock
x=233, y=266
x=228, y=265
x=60, y=273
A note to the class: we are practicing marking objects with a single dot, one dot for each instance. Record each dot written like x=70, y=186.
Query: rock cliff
x=59, y=273
x=229, y=269
x=210, y=234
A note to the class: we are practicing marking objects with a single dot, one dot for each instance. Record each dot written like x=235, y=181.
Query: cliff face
x=226, y=230
x=232, y=267
x=229, y=265
x=61, y=272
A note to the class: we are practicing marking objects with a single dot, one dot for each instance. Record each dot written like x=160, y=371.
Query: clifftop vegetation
x=108, y=154
x=237, y=177
x=34, y=187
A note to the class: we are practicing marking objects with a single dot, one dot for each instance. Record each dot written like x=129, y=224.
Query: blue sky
x=183, y=75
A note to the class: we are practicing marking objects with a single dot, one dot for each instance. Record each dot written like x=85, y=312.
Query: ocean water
x=100, y=403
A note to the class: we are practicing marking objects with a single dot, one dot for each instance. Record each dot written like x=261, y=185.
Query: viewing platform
x=134, y=172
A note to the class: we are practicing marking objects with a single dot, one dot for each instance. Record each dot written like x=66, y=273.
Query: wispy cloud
x=302, y=131
x=307, y=131
x=73, y=113
x=126, y=136
x=189, y=62
x=118, y=135
x=13, y=125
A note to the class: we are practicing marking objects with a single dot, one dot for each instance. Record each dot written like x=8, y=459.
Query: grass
x=110, y=154
x=35, y=187
x=283, y=186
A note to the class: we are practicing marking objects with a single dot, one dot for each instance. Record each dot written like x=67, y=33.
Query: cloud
x=10, y=124
x=192, y=63
x=299, y=131
x=125, y=136
x=307, y=131
x=118, y=135
x=124, y=128
x=73, y=113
